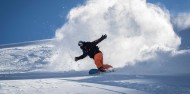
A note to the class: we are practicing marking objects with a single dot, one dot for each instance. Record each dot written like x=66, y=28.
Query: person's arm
x=81, y=56
x=100, y=39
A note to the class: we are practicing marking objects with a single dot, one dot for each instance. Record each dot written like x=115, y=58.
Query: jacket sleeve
x=98, y=40
x=82, y=56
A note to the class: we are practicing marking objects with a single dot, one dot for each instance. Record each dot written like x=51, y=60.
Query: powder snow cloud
x=182, y=21
x=136, y=31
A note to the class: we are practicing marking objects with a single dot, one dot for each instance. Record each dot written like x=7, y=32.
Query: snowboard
x=97, y=72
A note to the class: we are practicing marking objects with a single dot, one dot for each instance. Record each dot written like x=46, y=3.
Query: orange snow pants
x=98, y=60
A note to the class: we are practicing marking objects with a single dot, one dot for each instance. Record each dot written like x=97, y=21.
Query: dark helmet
x=80, y=43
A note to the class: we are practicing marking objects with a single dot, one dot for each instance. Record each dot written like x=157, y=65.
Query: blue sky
x=29, y=20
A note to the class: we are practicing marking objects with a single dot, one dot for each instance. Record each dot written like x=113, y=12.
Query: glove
x=104, y=36
x=76, y=58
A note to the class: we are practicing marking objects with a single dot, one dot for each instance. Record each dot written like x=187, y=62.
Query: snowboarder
x=92, y=50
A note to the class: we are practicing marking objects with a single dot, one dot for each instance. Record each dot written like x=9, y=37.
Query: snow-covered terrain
x=27, y=69
x=141, y=45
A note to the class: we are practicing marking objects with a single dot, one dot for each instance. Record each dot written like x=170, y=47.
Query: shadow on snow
x=41, y=75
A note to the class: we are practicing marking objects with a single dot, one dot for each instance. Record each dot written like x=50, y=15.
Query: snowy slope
x=63, y=86
x=24, y=57
x=26, y=68
x=143, y=49
x=74, y=83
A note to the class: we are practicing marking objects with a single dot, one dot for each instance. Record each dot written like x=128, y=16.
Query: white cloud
x=182, y=21
x=136, y=30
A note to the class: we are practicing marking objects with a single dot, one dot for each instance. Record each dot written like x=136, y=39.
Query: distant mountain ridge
x=25, y=43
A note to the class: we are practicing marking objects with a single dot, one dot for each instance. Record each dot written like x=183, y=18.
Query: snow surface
x=146, y=58
x=26, y=69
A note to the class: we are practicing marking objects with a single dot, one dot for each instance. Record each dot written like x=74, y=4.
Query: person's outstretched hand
x=76, y=59
x=104, y=36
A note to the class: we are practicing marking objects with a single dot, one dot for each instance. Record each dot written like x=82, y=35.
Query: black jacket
x=90, y=48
